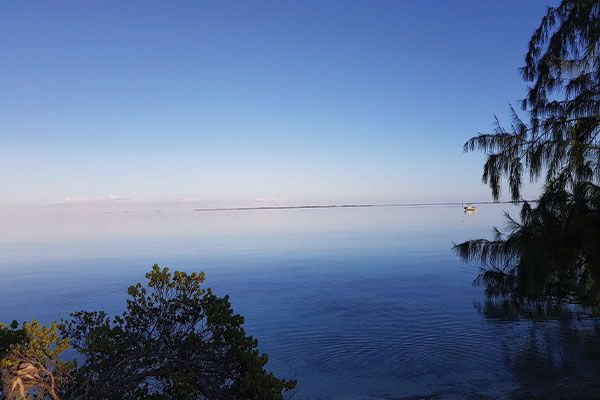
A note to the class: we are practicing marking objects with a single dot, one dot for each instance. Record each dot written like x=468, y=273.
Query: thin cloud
x=92, y=200
x=268, y=199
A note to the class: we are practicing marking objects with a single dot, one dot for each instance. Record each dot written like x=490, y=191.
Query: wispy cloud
x=93, y=200
x=190, y=200
x=268, y=199
x=114, y=200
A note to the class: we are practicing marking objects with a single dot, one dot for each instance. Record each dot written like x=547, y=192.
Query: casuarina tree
x=551, y=254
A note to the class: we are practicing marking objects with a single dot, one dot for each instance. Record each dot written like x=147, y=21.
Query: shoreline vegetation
x=549, y=257
x=175, y=340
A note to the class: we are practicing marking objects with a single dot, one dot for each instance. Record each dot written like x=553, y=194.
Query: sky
x=239, y=102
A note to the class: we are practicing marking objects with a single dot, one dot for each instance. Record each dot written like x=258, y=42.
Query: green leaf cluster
x=30, y=364
x=175, y=340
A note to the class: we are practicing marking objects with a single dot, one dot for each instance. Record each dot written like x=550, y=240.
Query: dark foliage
x=9, y=336
x=176, y=340
x=552, y=255
x=563, y=104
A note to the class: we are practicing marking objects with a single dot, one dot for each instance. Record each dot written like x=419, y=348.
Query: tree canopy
x=29, y=361
x=552, y=255
x=176, y=339
x=560, y=139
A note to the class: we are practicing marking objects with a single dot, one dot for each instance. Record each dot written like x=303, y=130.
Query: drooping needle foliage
x=552, y=253
x=563, y=104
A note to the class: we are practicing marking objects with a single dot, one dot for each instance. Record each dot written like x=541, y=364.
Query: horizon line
x=321, y=206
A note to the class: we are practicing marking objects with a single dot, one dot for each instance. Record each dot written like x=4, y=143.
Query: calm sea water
x=354, y=303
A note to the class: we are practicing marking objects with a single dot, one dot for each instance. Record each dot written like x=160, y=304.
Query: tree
x=9, y=336
x=30, y=364
x=553, y=254
x=563, y=103
x=175, y=340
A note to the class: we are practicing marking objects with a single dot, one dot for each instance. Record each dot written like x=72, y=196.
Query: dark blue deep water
x=354, y=303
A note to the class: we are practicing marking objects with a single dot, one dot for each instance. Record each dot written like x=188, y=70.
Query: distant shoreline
x=321, y=206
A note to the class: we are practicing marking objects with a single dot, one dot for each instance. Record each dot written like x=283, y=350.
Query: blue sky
x=238, y=101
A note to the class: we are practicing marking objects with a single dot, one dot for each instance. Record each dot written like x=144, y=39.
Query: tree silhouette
x=552, y=255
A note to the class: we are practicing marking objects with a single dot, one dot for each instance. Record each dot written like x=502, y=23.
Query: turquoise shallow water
x=354, y=303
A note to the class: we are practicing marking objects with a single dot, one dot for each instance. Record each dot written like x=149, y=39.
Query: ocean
x=354, y=303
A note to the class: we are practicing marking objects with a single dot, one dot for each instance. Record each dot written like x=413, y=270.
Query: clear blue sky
x=299, y=101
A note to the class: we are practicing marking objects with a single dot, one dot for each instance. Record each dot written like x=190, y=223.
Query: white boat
x=469, y=207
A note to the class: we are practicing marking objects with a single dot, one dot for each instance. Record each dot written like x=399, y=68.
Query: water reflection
x=556, y=360
x=552, y=353
x=355, y=303
x=469, y=213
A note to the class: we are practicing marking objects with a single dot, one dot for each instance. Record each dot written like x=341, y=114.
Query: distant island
x=309, y=206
